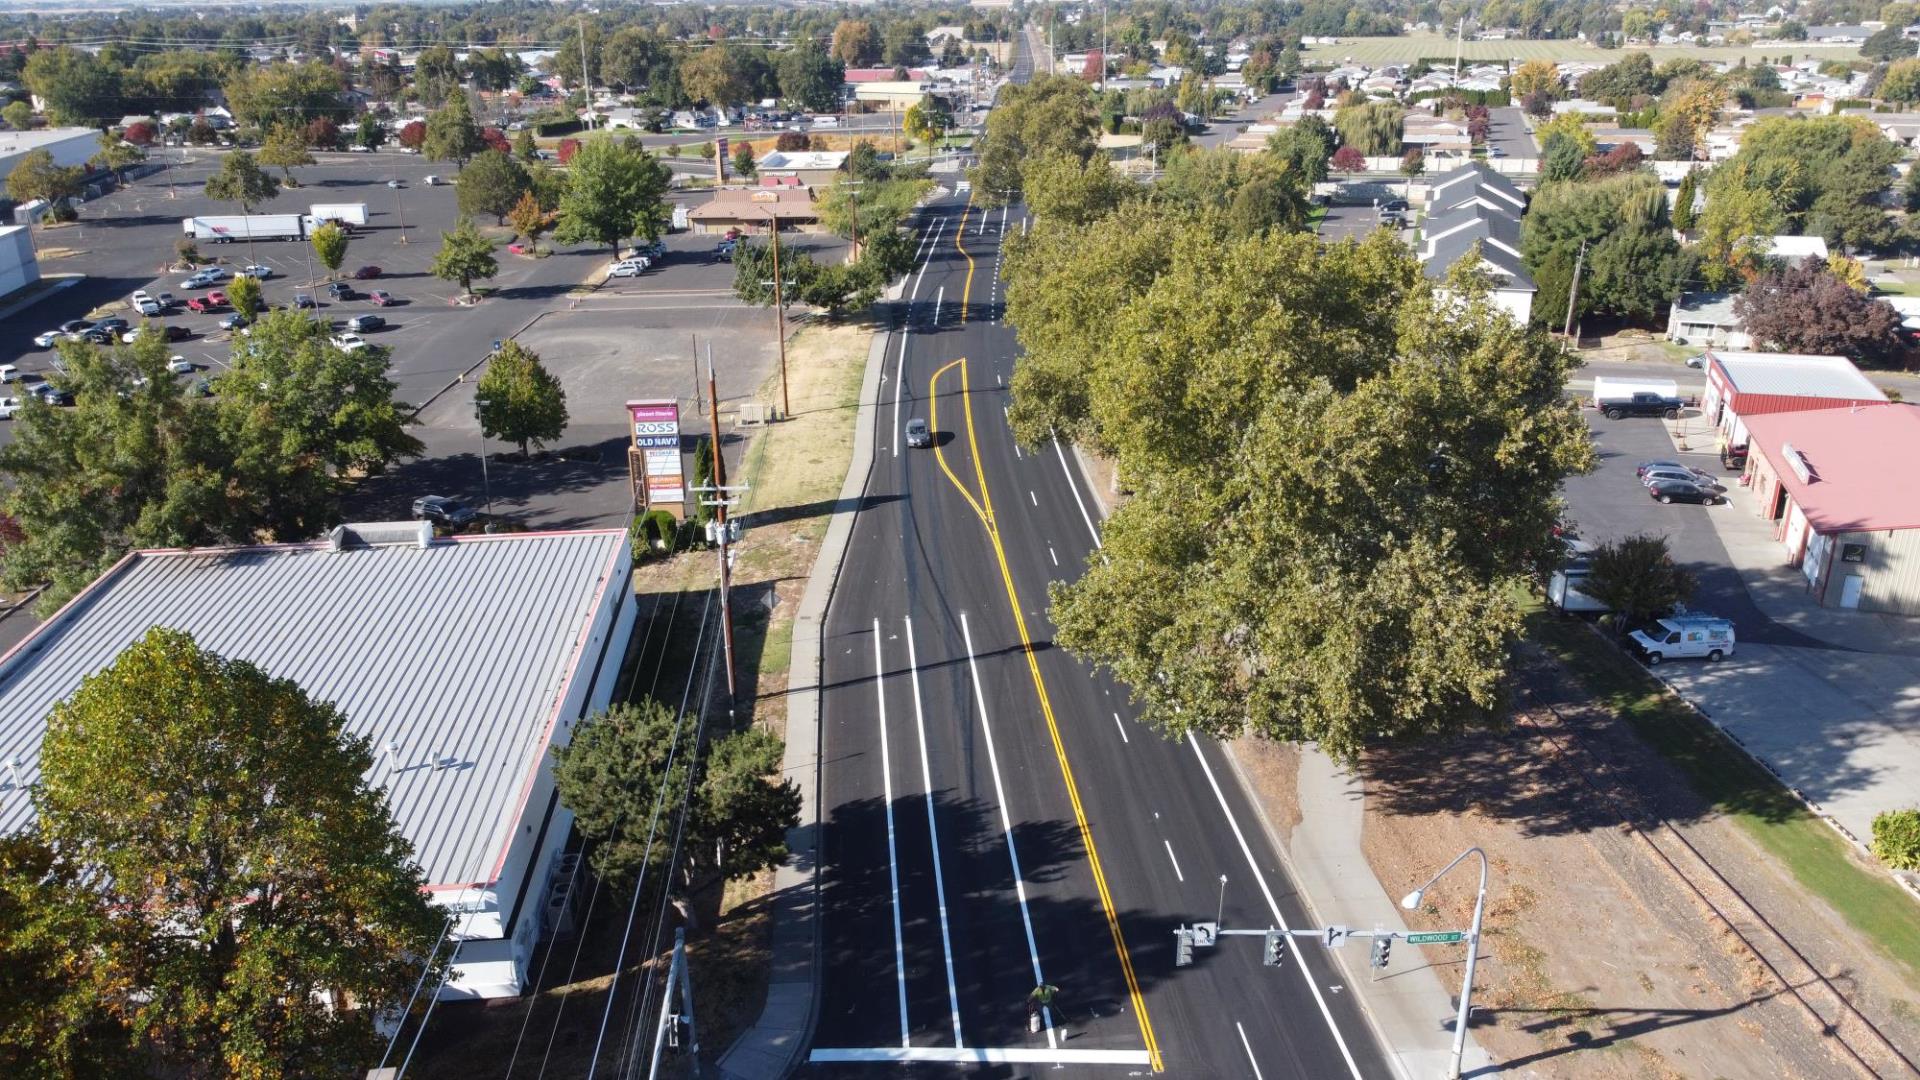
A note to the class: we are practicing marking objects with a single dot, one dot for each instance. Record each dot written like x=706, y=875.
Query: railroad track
x=1853, y=1035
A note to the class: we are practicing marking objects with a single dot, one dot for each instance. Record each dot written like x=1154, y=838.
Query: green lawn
x=1720, y=771
x=1382, y=50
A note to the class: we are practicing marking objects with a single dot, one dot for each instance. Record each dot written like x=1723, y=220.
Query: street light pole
x=400, y=206
x=1411, y=902
x=486, y=481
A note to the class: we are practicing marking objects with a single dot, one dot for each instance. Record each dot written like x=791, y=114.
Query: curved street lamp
x=1411, y=902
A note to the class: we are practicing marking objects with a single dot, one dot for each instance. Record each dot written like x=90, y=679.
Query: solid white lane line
x=1006, y=821
x=1035, y=498
x=933, y=835
x=1075, y=488
x=1273, y=908
x=938, y=299
x=906, y=330
x=893, y=853
x=1176, y=862
x=1251, y=1060
x=1122, y=727
x=1051, y=555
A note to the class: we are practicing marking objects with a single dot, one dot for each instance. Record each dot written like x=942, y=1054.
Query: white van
x=826, y=120
x=1684, y=636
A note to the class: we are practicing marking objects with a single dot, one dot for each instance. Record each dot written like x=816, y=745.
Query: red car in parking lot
x=366, y=273
x=210, y=302
x=380, y=297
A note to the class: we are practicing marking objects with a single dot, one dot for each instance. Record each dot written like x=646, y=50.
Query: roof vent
x=380, y=534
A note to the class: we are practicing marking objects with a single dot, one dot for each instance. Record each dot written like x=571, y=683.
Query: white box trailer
x=1563, y=592
x=223, y=230
x=1607, y=389
x=350, y=213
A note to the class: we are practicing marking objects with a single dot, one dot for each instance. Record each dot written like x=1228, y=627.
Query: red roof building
x=1840, y=488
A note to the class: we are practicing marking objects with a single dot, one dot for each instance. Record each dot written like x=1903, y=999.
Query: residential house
x=1706, y=318
x=1474, y=212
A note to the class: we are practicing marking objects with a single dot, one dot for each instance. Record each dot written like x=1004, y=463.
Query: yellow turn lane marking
x=983, y=507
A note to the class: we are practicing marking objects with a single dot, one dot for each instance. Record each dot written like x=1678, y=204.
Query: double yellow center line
x=983, y=507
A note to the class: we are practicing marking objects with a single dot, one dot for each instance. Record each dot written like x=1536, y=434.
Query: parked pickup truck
x=1644, y=404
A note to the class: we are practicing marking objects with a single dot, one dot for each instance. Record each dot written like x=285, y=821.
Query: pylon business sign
x=655, y=423
x=720, y=159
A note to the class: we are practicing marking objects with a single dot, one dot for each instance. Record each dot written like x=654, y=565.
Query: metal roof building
x=1838, y=486
x=1745, y=384
x=463, y=660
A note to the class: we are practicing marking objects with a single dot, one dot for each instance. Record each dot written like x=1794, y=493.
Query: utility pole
x=1573, y=294
x=680, y=978
x=719, y=504
x=780, y=315
x=586, y=73
x=1459, y=40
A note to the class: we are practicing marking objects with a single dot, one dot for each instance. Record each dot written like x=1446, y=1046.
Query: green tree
x=1560, y=158
x=1062, y=187
x=37, y=177
x=330, y=246
x=1373, y=128
x=263, y=95
x=452, y=135
x=719, y=76
x=369, y=133
x=300, y=418
x=810, y=78
x=128, y=466
x=1633, y=266
x=285, y=148
x=116, y=155
x=523, y=147
x=1637, y=578
x=1886, y=43
x=464, y=255
x=242, y=861
x=615, y=190
x=1304, y=148
x=1683, y=200
x=1326, y=536
x=244, y=293
x=240, y=181
x=1051, y=113
x=855, y=44
x=18, y=115
x=928, y=119
x=743, y=163
x=737, y=818
x=520, y=401
x=491, y=184
x=79, y=89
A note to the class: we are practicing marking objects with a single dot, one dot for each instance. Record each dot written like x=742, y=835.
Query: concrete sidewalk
x=1412, y=1013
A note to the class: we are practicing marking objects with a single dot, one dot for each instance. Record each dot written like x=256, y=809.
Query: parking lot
x=1829, y=699
x=625, y=338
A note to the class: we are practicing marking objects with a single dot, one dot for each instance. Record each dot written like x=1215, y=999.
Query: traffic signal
x=1182, y=947
x=1382, y=949
x=1275, y=948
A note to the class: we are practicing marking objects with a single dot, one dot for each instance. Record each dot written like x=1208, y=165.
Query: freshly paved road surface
x=996, y=817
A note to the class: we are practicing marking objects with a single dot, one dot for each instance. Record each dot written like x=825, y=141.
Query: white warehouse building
x=463, y=660
x=68, y=145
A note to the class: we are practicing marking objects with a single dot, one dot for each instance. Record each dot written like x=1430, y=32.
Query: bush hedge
x=1896, y=838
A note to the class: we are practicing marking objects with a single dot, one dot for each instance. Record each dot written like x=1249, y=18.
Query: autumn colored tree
x=1809, y=309
x=1349, y=159
x=414, y=134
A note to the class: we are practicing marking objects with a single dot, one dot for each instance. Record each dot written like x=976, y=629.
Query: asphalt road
x=996, y=816
x=1507, y=132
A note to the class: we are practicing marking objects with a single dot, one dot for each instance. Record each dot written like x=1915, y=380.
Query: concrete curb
x=475, y=366
x=773, y=1046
